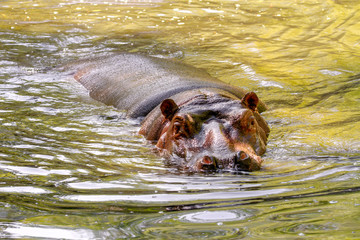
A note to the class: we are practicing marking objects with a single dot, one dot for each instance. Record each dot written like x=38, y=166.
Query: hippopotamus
x=195, y=120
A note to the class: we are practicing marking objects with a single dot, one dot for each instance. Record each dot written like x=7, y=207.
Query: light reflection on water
x=73, y=168
x=40, y=232
x=174, y=198
x=214, y=216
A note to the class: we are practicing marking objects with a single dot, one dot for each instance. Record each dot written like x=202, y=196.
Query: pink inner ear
x=251, y=100
x=168, y=108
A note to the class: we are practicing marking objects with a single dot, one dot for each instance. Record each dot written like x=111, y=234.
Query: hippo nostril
x=207, y=160
x=242, y=155
x=206, y=163
x=242, y=161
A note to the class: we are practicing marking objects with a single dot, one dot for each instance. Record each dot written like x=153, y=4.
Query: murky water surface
x=72, y=168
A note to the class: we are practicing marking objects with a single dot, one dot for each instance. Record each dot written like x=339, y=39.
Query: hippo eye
x=252, y=122
x=245, y=123
x=177, y=127
x=181, y=128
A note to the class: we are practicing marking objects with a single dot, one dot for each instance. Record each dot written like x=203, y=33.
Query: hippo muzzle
x=239, y=162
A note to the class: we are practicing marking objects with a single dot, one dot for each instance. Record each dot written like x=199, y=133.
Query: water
x=72, y=168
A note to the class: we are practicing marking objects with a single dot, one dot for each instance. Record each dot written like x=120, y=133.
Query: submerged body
x=196, y=120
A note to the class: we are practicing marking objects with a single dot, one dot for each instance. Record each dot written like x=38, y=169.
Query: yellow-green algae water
x=72, y=168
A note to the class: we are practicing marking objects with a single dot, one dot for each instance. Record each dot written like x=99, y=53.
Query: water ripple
x=72, y=168
x=174, y=198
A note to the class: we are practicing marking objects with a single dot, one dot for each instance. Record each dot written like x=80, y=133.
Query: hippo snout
x=239, y=162
x=213, y=132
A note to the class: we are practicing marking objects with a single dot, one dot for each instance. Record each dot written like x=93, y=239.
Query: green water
x=72, y=168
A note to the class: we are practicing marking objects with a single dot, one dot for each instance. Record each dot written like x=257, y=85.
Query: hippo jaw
x=227, y=134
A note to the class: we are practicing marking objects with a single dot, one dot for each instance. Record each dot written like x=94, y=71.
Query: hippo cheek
x=174, y=149
x=179, y=149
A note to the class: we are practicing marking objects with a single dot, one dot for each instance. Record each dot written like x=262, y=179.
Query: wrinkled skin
x=213, y=132
x=196, y=121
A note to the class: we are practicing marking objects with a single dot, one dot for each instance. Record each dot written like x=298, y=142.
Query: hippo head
x=214, y=132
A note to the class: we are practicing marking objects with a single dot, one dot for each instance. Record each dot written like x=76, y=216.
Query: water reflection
x=73, y=168
x=21, y=231
x=215, y=216
x=23, y=190
x=174, y=198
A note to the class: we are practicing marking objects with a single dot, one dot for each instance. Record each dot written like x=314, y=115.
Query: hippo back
x=138, y=83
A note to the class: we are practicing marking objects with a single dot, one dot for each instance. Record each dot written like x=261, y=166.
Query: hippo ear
x=168, y=108
x=250, y=100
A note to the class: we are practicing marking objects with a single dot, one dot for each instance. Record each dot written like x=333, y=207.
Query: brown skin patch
x=80, y=73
